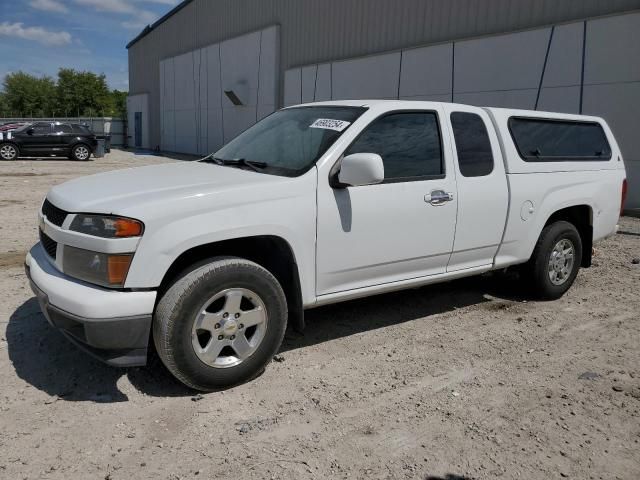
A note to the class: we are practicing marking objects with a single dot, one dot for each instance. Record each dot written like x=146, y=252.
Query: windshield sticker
x=329, y=124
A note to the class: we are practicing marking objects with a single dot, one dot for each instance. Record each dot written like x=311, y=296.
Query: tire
x=551, y=273
x=207, y=350
x=8, y=151
x=80, y=152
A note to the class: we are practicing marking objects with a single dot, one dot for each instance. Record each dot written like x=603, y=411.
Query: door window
x=62, y=128
x=409, y=144
x=475, y=157
x=80, y=129
x=41, y=129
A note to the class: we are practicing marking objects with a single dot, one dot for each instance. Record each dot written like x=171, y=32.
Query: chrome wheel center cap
x=230, y=327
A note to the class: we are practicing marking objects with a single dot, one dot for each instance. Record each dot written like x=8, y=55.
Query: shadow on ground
x=356, y=316
x=449, y=476
x=45, y=359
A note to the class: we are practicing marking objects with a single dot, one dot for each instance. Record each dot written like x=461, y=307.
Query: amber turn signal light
x=117, y=268
x=125, y=227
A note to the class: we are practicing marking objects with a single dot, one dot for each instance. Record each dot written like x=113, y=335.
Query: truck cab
x=317, y=204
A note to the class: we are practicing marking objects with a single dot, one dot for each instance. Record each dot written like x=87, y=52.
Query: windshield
x=290, y=141
x=24, y=127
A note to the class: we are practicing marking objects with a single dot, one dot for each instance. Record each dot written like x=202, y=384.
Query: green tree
x=4, y=106
x=75, y=94
x=29, y=96
x=119, y=99
x=82, y=93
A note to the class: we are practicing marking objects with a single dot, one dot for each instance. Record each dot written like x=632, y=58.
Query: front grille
x=50, y=246
x=53, y=213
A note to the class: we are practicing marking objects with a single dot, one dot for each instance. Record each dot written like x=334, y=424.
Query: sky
x=41, y=36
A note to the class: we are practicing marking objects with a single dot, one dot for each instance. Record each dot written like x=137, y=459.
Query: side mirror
x=361, y=169
x=30, y=131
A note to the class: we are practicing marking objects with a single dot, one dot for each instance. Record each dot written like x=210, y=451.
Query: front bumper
x=111, y=325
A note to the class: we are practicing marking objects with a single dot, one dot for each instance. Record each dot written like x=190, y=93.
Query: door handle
x=438, y=197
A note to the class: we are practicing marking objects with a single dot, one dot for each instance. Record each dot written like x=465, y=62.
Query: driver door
x=38, y=139
x=377, y=234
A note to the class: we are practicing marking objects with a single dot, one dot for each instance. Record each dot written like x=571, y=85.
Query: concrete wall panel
x=370, y=77
x=214, y=85
x=443, y=97
x=560, y=99
x=138, y=103
x=196, y=116
x=323, y=82
x=169, y=129
x=240, y=63
x=564, y=65
x=426, y=71
x=184, y=88
x=309, y=83
x=505, y=62
x=619, y=104
x=269, y=67
x=215, y=138
x=525, y=99
x=633, y=178
x=613, y=49
x=292, y=87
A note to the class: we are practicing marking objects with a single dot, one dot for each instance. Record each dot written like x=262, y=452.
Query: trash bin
x=107, y=142
x=99, y=151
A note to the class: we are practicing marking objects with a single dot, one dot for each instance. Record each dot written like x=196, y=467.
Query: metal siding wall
x=612, y=86
x=316, y=31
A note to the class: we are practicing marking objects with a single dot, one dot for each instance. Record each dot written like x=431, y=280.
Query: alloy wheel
x=229, y=328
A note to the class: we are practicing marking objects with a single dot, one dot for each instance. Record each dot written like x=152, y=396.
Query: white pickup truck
x=314, y=205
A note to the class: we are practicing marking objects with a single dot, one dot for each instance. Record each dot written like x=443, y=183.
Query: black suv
x=52, y=139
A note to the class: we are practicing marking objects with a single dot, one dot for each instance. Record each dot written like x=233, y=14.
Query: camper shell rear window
x=551, y=140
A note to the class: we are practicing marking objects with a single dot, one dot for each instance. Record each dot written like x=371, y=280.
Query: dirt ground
x=466, y=380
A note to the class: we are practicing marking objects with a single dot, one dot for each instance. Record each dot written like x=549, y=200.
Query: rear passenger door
x=483, y=195
x=400, y=229
x=65, y=136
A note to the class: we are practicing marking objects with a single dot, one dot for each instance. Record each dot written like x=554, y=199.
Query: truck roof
x=408, y=104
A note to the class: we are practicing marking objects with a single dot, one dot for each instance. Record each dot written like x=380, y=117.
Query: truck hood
x=139, y=192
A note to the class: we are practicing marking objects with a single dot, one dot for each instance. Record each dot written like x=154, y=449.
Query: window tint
x=79, y=129
x=475, y=157
x=62, y=128
x=41, y=128
x=409, y=144
x=542, y=140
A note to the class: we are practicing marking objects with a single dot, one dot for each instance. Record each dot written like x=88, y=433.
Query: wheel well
x=81, y=143
x=581, y=216
x=270, y=252
x=5, y=142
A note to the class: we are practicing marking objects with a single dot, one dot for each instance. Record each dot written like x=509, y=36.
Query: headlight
x=108, y=270
x=107, y=226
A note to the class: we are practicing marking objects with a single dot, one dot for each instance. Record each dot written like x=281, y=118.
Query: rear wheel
x=80, y=152
x=555, y=261
x=220, y=324
x=8, y=151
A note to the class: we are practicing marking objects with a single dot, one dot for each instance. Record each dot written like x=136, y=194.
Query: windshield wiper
x=255, y=166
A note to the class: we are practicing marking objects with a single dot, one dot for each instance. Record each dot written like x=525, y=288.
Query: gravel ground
x=465, y=380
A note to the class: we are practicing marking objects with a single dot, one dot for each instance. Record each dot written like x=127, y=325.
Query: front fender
x=291, y=217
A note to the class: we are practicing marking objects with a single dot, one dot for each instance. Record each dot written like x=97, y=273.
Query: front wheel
x=80, y=153
x=8, y=151
x=555, y=261
x=220, y=324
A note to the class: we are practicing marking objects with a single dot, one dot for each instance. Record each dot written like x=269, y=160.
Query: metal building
x=211, y=68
